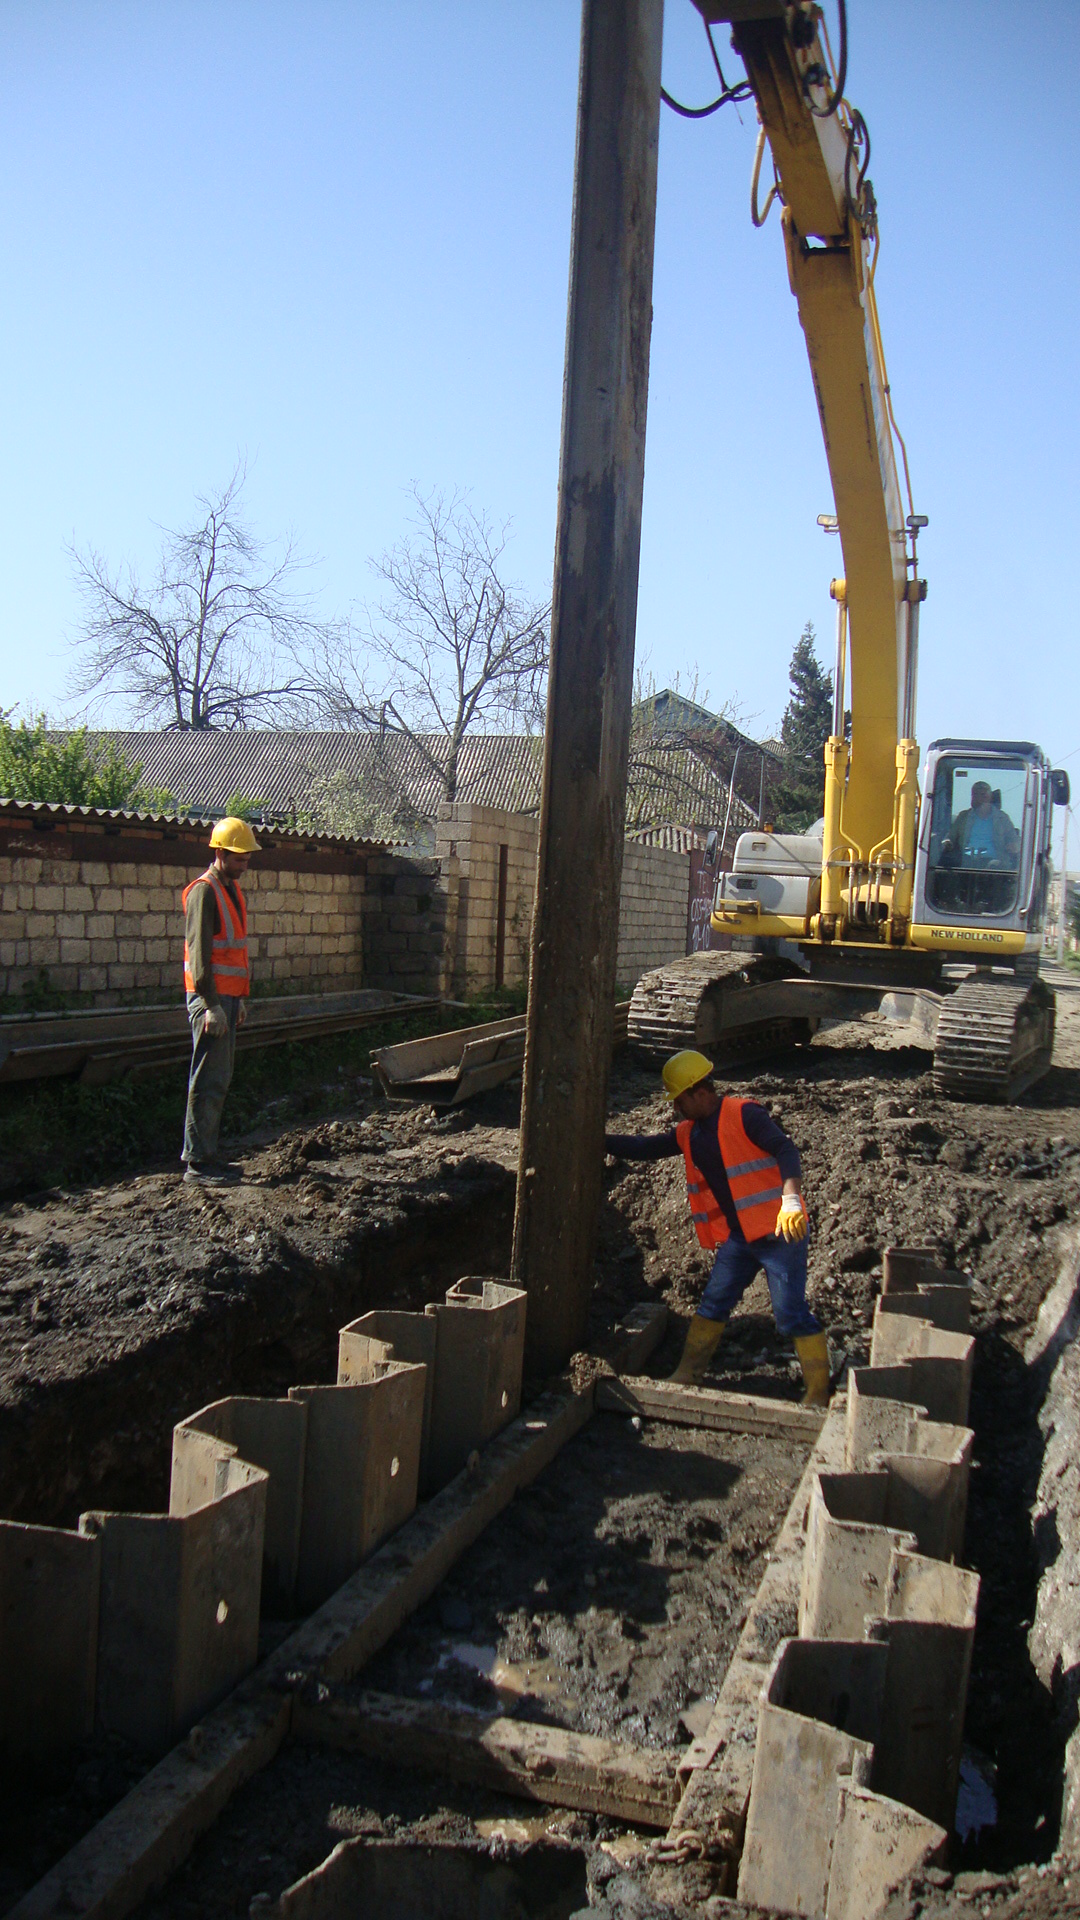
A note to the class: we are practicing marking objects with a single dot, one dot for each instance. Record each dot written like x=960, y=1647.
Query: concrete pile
x=139, y=1623
x=861, y=1719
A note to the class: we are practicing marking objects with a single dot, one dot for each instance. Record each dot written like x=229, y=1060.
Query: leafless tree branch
x=450, y=648
x=218, y=639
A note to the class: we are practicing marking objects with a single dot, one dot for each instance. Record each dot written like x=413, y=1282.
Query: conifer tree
x=799, y=796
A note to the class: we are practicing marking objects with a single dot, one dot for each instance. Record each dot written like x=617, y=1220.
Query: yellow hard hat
x=684, y=1070
x=234, y=835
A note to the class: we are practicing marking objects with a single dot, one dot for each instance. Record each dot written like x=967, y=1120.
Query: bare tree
x=450, y=649
x=683, y=756
x=214, y=641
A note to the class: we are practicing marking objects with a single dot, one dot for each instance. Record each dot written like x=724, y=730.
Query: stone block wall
x=95, y=908
x=653, y=909
x=474, y=845
x=405, y=924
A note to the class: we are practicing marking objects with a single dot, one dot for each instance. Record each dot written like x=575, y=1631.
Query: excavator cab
x=982, y=864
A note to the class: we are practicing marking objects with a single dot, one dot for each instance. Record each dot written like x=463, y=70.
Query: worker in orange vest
x=217, y=979
x=744, y=1184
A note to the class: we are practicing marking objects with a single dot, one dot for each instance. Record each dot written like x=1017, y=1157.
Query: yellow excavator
x=930, y=904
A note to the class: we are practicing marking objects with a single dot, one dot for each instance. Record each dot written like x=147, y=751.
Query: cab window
x=976, y=829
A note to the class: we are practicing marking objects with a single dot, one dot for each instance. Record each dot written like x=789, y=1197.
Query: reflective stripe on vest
x=754, y=1178
x=229, y=949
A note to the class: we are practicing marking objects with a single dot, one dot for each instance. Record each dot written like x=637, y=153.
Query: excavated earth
x=607, y=1597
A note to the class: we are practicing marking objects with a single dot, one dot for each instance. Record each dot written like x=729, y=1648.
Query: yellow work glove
x=791, y=1221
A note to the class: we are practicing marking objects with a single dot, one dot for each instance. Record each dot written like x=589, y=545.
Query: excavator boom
x=897, y=890
x=829, y=230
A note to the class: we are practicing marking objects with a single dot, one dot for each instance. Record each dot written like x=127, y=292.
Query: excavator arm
x=819, y=149
x=878, y=916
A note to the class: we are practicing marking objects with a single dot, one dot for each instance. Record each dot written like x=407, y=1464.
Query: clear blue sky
x=331, y=235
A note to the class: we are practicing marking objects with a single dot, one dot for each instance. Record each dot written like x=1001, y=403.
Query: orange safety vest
x=756, y=1183
x=229, y=955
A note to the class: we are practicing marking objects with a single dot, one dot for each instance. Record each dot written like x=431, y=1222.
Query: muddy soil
x=124, y=1309
x=121, y=1309
x=609, y=1596
x=607, y=1599
x=284, y=1823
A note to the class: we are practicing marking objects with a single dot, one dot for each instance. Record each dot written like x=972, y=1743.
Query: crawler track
x=685, y=1004
x=995, y=1038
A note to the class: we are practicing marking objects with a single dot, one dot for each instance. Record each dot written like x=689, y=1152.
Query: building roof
x=280, y=769
x=678, y=775
x=48, y=812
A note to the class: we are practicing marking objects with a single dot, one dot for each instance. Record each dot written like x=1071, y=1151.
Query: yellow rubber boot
x=702, y=1340
x=813, y=1352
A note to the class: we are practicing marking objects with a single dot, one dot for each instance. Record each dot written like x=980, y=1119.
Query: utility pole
x=1063, y=888
x=576, y=920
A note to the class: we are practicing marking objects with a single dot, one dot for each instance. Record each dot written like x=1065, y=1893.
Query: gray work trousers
x=208, y=1083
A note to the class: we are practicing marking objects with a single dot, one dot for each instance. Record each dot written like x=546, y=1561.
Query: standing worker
x=217, y=979
x=743, y=1181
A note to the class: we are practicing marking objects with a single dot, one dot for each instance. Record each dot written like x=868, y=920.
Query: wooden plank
x=575, y=927
x=709, y=1408
x=636, y=1337
x=145, y=1838
x=549, y=1764
x=154, y=1827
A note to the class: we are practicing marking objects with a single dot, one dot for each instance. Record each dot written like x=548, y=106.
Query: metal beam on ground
x=576, y=920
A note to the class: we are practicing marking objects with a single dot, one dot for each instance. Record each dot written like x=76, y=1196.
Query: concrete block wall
x=305, y=927
x=96, y=909
x=140, y=1623
x=406, y=929
x=861, y=1722
x=653, y=909
x=469, y=842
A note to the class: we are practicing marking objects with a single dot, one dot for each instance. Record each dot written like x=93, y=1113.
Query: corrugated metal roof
x=675, y=839
x=91, y=816
x=680, y=785
x=670, y=782
x=280, y=769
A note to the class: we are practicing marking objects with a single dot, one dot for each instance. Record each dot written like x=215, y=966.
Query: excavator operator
x=743, y=1182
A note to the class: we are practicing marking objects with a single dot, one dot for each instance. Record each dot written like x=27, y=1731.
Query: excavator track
x=676, y=1006
x=995, y=1038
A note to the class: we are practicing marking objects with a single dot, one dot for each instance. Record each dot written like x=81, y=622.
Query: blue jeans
x=784, y=1262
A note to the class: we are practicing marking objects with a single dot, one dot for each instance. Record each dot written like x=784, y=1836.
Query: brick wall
x=98, y=912
x=405, y=924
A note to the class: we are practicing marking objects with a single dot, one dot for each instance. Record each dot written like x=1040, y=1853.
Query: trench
x=102, y=1437
x=489, y=1637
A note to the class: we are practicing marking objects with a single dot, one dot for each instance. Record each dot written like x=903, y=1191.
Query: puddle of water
x=533, y=1827
x=626, y=1847
x=541, y=1678
x=976, y=1801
